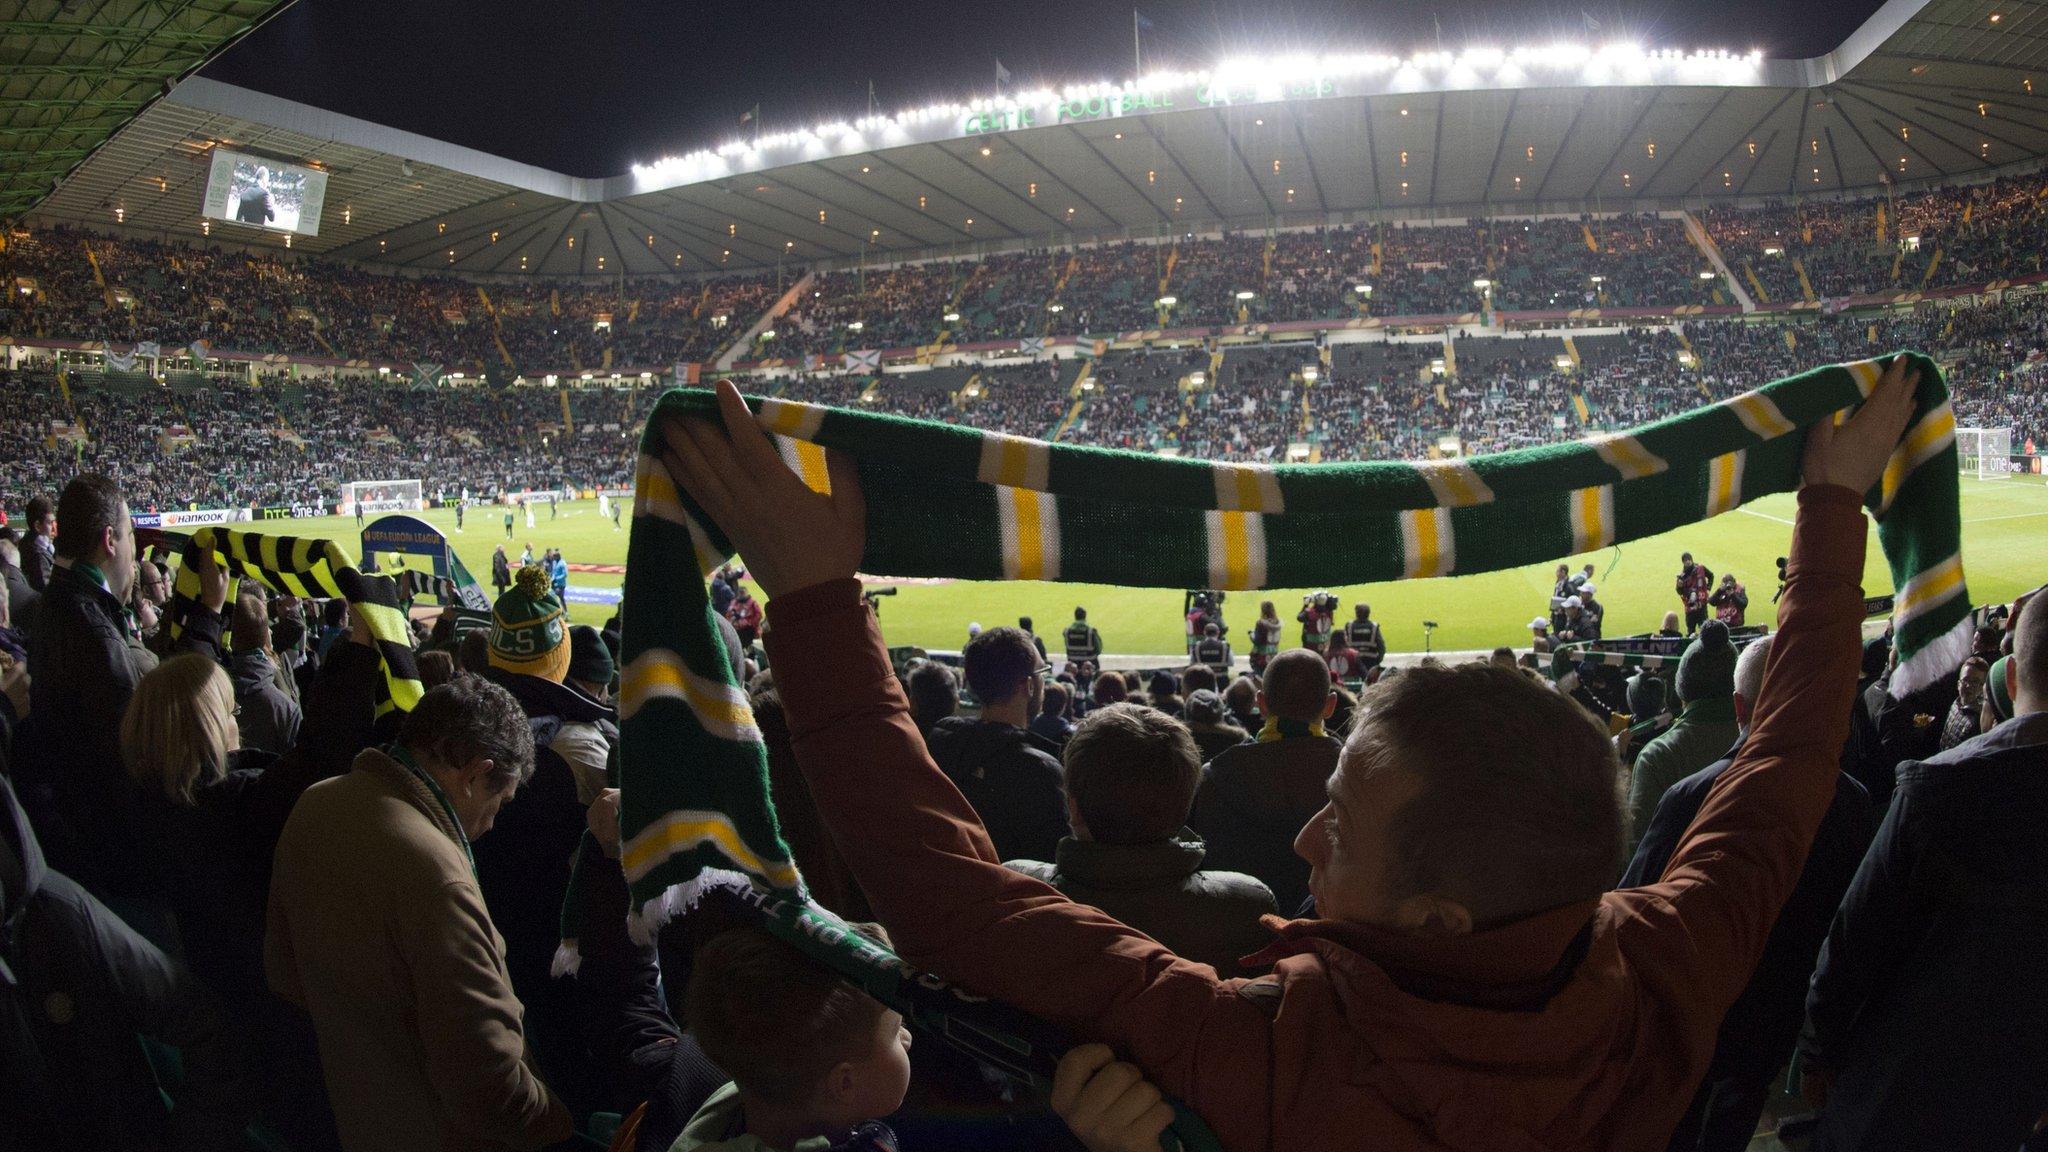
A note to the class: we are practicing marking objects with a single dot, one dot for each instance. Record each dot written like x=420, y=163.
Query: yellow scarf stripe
x=1247, y=488
x=1924, y=441
x=659, y=673
x=1014, y=462
x=1724, y=482
x=1454, y=483
x=1030, y=525
x=682, y=830
x=1427, y=546
x=1626, y=455
x=1928, y=590
x=1237, y=550
x=1592, y=518
x=807, y=460
x=791, y=418
x=1760, y=415
x=1866, y=373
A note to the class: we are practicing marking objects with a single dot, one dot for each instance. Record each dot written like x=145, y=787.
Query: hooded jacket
x=1162, y=890
x=76, y=986
x=378, y=930
x=1584, y=1027
x=1013, y=783
x=1254, y=798
x=270, y=717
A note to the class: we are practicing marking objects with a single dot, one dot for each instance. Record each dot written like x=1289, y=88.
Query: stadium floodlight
x=854, y=326
x=1563, y=361
x=1310, y=374
x=951, y=317
x=1685, y=357
x=1246, y=295
x=1599, y=279
x=1168, y=301
x=1707, y=275
x=455, y=375
x=1482, y=283
x=1198, y=378
x=586, y=375
x=1362, y=289
x=768, y=334
x=383, y=371
x=1773, y=250
x=1055, y=306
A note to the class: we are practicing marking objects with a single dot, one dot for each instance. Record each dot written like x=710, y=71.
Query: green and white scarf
x=946, y=501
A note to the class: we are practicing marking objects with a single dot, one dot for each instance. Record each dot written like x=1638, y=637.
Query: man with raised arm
x=1473, y=984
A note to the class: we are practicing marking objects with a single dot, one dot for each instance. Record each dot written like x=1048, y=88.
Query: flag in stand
x=865, y=360
x=1031, y=345
x=120, y=361
x=150, y=349
x=751, y=115
x=426, y=375
x=1002, y=75
x=199, y=350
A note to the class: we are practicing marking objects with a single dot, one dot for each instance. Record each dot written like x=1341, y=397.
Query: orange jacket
x=1587, y=1026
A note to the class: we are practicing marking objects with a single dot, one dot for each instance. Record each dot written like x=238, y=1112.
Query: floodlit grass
x=2005, y=525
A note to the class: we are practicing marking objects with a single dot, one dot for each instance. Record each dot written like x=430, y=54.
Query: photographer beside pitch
x=1471, y=990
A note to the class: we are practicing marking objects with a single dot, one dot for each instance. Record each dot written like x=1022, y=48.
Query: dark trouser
x=1694, y=617
x=1723, y=1114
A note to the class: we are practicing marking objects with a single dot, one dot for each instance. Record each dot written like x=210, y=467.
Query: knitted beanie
x=530, y=629
x=1999, y=687
x=590, y=658
x=1707, y=670
x=1645, y=694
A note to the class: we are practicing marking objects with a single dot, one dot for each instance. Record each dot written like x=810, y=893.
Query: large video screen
x=265, y=193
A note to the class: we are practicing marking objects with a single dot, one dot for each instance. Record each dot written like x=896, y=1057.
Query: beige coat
x=377, y=929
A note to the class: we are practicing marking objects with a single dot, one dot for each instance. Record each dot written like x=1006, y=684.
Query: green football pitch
x=2005, y=525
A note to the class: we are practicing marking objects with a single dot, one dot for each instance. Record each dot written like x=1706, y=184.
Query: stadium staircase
x=1571, y=349
x=498, y=328
x=1805, y=285
x=745, y=340
x=1933, y=262
x=1898, y=261
x=1712, y=251
x=1073, y=262
x=1756, y=285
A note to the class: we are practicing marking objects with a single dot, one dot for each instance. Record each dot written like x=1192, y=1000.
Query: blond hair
x=180, y=727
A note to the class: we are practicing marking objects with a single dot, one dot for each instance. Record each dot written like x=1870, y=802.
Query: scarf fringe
x=1939, y=657
x=678, y=900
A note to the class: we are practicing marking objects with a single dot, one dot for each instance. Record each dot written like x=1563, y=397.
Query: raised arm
x=1737, y=862
x=913, y=842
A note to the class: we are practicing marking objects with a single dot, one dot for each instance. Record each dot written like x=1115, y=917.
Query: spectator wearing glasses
x=1010, y=776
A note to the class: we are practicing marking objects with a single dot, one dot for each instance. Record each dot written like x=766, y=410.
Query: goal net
x=371, y=496
x=1985, y=453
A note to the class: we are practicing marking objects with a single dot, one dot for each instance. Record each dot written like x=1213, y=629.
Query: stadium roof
x=1926, y=90
x=72, y=73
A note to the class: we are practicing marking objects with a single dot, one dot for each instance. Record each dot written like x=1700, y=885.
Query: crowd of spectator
x=1939, y=238
x=66, y=283
x=1606, y=915
x=224, y=441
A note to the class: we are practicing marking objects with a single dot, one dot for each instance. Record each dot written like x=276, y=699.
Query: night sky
x=588, y=87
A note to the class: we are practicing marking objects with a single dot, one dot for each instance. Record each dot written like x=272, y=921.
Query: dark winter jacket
x=1253, y=801
x=1925, y=1006
x=523, y=868
x=201, y=861
x=270, y=716
x=1162, y=890
x=68, y=757
x=1011, y=778
x=1758, y=1033
x=76, y=987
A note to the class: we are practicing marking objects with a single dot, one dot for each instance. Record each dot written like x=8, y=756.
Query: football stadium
x=1440, y=486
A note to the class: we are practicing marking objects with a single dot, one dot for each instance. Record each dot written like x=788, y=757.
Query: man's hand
x=213, y=580
x=602, y=818
x=1854, y=455
x=791, y=536
x=1107, y=1102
